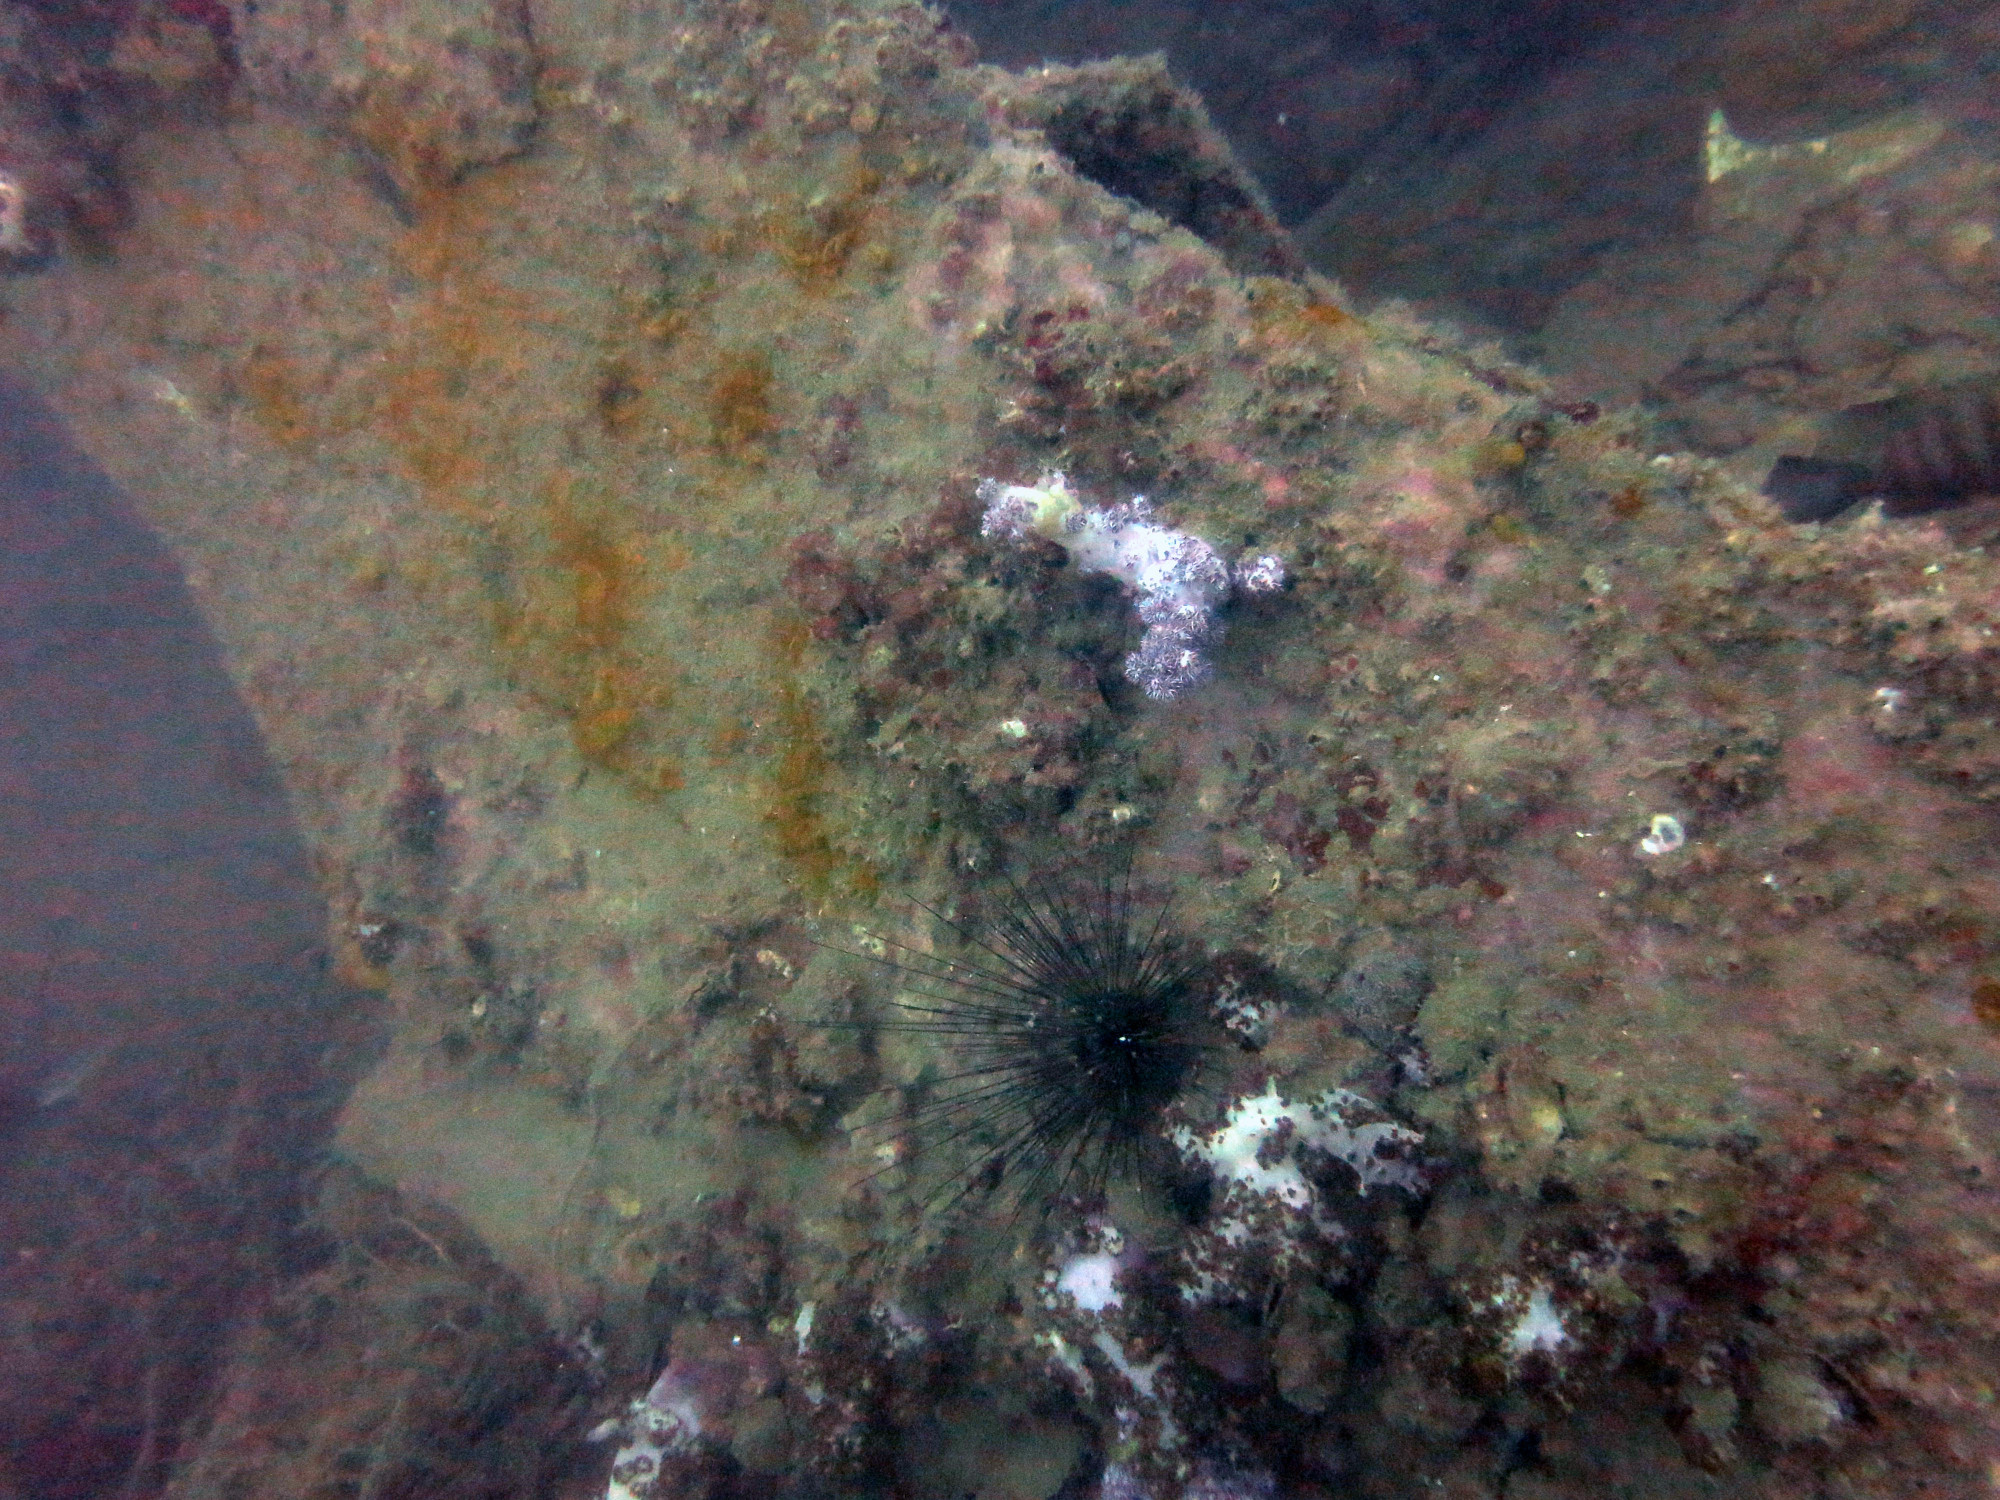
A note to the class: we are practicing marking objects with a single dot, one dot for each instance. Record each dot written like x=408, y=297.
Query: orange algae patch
x=1986, y=1002
x=1327, y=318
x=797, y=782
x=739, y=405
x=601, y=722
x=822, y=237
x=600, y=574
x=467, y=388
x=274, y=386
x=602, y=578
x=1628, y=502
x=1285, y=320
x=427, y=416
x=458, y=375
x=572, y=630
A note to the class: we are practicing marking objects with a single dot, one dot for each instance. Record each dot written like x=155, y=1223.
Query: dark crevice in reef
x=1130, y=128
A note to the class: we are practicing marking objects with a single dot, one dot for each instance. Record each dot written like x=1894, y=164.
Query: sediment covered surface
x=570, y=422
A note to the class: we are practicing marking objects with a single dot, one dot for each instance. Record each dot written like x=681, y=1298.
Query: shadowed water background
x=172, y=1048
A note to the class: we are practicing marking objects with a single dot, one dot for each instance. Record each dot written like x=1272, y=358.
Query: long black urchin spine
x=1078, y=1020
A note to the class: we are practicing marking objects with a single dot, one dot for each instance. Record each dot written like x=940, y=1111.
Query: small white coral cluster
x=1178, y=581
x=1207, y=1480
x=1271, y=1158
x=1093, y=1344
x=664, y=1421
x=710, y=1395
x=1561, y=1310
x=1111, y=1353
x=1260, y=1154
x=1529, y=1321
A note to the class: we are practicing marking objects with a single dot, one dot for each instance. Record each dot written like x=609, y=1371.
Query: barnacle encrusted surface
x=594, y=534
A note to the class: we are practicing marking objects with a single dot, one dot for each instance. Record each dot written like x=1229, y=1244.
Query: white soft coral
x=1178, y=581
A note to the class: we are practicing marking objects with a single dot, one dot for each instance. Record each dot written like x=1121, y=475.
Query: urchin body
x=1080, y=1022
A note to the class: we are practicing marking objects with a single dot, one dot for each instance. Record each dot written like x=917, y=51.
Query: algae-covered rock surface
x=572, y=422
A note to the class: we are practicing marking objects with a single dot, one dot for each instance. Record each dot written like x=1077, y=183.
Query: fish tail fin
x=1811, y=489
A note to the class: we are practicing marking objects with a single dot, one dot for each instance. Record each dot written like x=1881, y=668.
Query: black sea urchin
x=1078, y=1017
